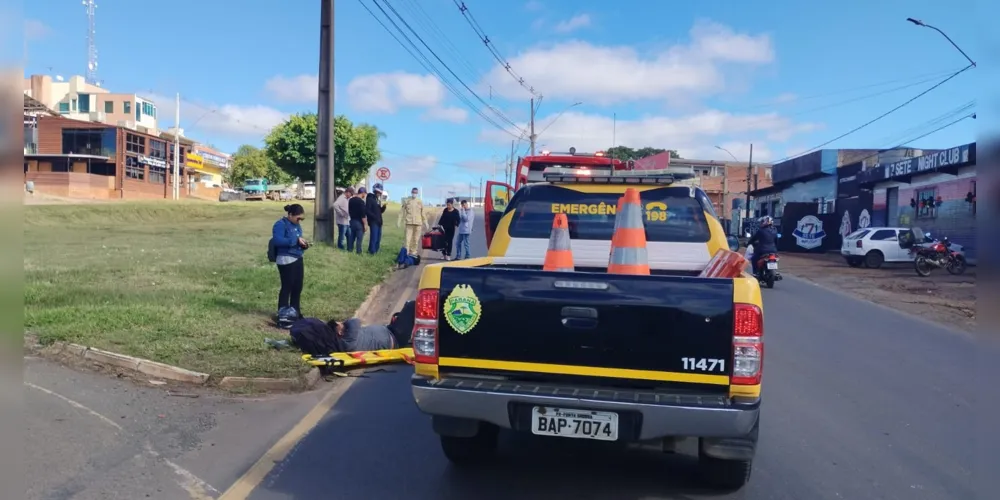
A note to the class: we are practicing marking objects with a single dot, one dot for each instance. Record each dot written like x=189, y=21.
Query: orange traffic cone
x=628, y=243
x=559, y=256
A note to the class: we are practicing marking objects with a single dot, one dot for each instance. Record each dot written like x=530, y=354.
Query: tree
x=291, y=145
x=625, y=152
x=250, y=162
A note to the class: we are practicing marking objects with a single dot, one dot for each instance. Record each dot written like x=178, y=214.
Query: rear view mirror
x=734, y=243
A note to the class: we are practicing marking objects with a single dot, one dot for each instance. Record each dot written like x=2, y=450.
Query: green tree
x=291, y=145
x=250, y=162
x=625, y=152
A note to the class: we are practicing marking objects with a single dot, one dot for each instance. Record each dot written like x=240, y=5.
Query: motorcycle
x=935, y=255
x=766, y=267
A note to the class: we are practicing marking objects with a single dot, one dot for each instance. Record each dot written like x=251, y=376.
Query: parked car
x=873, y=246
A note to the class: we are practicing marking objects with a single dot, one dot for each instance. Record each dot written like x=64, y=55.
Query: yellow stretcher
x=348, y=360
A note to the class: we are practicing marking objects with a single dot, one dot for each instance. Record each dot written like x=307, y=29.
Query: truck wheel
x=727, y=475
x=471, y=450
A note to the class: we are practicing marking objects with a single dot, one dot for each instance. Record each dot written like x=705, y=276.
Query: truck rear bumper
x=660, y=415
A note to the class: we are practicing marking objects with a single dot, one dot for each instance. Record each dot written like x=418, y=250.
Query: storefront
x=936, y=191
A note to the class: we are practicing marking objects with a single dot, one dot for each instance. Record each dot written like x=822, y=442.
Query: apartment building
x=78, y=100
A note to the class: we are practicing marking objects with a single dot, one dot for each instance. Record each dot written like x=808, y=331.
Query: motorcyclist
x=765, y=241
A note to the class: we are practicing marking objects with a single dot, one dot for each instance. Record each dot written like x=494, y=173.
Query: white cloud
x=295, y=89
x=35, y=29
x=573, y=23
x=741, y=150
x=447, y=114
x=387, y=92
x=568, y=69
x=694, y=136
x=408, y=170
x=230, y=120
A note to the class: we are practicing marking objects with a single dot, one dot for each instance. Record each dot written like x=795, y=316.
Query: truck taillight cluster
x=425, y=334
x=748, y=344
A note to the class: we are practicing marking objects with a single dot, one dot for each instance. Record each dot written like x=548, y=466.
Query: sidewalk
x=942, y=298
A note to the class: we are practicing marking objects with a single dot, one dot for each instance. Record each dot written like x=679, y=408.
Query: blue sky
x=785, y=76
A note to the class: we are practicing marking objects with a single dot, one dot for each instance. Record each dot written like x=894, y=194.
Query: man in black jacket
x=356, y=211
x=373, y=213
x=765, y=241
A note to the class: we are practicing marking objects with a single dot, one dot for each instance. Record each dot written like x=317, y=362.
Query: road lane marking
x=76, y=405
x=195, y=486
x=245, y=485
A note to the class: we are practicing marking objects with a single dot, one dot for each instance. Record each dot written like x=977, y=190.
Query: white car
x=873, y=246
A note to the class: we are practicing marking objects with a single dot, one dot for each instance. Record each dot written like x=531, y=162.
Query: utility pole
x=325, y=184
x=510, y=171
x=725, y=196
x=532, y=137
x=177, y=149
x=749, y=177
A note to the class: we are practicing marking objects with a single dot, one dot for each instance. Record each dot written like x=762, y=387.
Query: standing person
x=466, y=217
x=449, y=221
x=342, y=217
x=289, y=246
x=373, y=213
x=412, y=214
x=358, y=222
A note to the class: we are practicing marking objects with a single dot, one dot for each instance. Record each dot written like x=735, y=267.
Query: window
x=157, y=175
x=671, y=213
x=84, y=103
x=64, y=107
x=884, y=235
x=109, y=106
x=73, y=105
x=925, y=203
x=134, y=169
x=127, y=107
x=135, y=144
x=857, y=235
x=86, y=142
x=157, y=149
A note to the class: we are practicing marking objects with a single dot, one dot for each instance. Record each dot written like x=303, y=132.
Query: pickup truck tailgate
x=591, y=328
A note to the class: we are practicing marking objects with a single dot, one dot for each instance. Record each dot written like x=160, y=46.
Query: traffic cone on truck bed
x=559, y=256
x=628, y=243
x=724, y=264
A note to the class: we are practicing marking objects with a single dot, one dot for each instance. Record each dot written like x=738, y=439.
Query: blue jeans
x=343, y=233
x=357, y=233
x=463, y=247
x=374, y=239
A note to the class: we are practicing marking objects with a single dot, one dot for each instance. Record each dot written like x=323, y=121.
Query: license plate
x=579, y=424
x=772, y=265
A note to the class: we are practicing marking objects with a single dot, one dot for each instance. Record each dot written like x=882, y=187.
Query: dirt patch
x=941, y=297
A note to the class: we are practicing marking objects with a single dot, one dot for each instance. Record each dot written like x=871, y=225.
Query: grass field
x=187, y=284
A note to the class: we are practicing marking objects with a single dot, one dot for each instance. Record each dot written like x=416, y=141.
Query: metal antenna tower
x=91, y=6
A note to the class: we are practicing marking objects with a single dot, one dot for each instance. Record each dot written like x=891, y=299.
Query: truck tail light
x=748, y=344
x=425, y=327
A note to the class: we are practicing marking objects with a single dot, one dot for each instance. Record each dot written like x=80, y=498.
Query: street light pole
x=325, y=185
x=946, y=37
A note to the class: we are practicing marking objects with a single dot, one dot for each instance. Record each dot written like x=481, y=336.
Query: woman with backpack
x=287, y=248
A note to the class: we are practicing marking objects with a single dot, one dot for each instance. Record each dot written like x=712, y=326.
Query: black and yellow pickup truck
x=646, y=359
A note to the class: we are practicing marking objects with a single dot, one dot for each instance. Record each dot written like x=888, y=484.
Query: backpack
x=402, y=323
x=272, y=251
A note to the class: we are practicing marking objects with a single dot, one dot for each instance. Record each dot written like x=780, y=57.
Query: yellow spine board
x=363, y=358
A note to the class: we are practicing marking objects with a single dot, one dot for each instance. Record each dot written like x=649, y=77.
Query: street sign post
x=382, y=174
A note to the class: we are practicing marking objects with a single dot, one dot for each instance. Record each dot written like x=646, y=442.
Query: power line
x=425, y=20
x=921, y=136
x=924, y=77
x=467, y=14
x=438, y=58
x=423, y=61
x=893, y=138
x=883, y=115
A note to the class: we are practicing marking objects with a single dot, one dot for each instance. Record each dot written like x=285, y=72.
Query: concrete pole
x=326, y=190
x=532, y=137
x=177, y=149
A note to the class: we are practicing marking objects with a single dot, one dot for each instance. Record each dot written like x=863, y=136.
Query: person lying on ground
x=352, y=336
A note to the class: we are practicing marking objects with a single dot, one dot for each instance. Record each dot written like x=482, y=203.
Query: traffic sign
x=382, y=174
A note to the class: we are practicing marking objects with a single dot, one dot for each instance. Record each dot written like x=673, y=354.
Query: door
x=891, y=207
x=494, y=204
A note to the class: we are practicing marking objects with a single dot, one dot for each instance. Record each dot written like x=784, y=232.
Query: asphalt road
x=90, y=436
x=860, y=402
